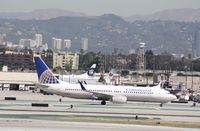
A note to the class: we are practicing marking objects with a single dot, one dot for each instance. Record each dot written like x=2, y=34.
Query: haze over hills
x=186, y=15
x=41, y=14
x=107, y=32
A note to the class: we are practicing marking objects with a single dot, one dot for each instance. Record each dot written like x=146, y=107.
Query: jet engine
x=119, y=99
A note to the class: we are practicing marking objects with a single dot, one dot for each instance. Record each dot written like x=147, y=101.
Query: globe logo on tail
x=48, y=78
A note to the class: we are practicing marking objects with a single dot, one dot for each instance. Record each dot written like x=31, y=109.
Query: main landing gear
x=103, y=102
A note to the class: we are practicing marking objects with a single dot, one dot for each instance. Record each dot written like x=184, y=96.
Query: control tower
x=140, y=57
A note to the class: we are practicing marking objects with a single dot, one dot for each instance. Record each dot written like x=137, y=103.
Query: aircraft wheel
x=103, y=102
x=161, y=105
x=60, y=100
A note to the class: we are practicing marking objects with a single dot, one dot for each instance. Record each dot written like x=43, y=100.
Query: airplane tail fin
x=91, y=70
x=45, y=76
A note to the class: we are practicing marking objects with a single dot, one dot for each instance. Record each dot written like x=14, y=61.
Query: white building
x=131, y=51
x=2, y=39
x=32, y=43
x=84, y=43
x=28, y=43
x=63, y=59
x=44, y=47
x=38, y=40
x=67, y=44
x=56, y=43
x=22, y=42
x=9, y=44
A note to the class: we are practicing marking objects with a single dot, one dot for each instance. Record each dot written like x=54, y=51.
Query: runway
x=149, y=115
x=35, y=125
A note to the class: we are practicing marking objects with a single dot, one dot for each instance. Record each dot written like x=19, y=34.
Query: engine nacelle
x=119, y=99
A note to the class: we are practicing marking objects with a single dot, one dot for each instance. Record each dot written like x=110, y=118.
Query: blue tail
x=45, y=76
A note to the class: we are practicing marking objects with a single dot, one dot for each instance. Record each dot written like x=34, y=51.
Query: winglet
x=82, y=87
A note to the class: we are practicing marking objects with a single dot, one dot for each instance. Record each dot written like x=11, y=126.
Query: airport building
x=66, y=59
x=16, y=60
x=17, y=80
x=20, y=79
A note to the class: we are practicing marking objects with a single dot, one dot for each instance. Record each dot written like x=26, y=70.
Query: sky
x=99, y=7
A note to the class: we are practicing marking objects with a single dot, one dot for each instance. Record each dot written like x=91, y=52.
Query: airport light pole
x=186, y=68
x=192, y=73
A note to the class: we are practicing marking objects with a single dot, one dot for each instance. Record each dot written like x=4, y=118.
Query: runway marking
x=94, y=112
x=179, y=109
x=105, y=119
x=191, y=109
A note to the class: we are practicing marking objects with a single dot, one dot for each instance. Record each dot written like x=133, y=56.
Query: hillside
x=181, y=15
x=41, y=14
x=107, y=32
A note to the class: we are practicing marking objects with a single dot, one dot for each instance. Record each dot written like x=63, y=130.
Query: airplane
x=116, y=94
x=88, y=76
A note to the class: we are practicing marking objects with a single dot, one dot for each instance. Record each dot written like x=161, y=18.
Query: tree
x=124, y=72
x=68, y=66
x=87, y=59
x=101, y=79
x=150, y=59
x=162, y=61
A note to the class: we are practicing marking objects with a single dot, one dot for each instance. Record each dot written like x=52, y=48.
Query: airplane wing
x=99, y=95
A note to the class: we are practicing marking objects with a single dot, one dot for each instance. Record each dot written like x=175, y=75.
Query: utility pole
x=186, y=78
x=192, y=74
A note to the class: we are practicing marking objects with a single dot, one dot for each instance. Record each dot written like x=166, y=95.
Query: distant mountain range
x=181, y=15
x=107, y=32
x=42, y=14
x=186, y=15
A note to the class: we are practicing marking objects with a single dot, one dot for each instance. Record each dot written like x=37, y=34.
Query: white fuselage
x=75, y=78
x=143, y=94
